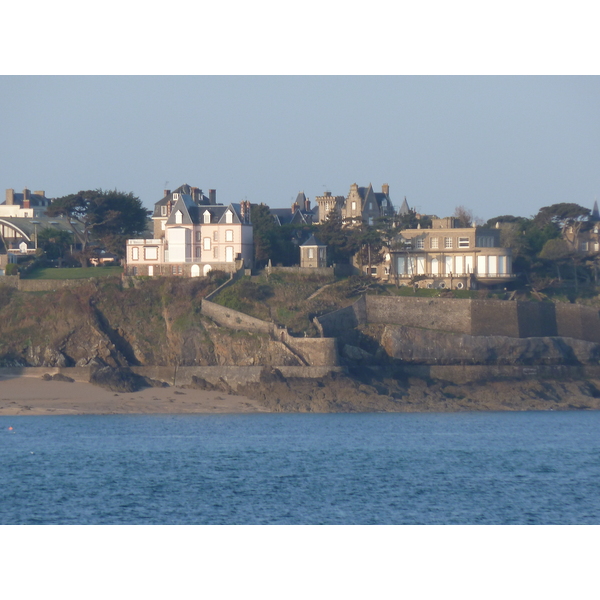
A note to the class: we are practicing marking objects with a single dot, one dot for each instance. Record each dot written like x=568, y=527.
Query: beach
x=35, y=396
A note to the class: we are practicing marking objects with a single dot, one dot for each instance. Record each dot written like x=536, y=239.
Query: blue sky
x=497, y=145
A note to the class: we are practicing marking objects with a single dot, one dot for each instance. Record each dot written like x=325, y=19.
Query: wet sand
x=33, y=396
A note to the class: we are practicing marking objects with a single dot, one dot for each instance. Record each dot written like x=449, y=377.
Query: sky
x=494, y=144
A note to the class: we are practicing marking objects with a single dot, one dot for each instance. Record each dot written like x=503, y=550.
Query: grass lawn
x=74, y=273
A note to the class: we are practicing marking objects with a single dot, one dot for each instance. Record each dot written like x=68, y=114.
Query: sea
x=452, y=468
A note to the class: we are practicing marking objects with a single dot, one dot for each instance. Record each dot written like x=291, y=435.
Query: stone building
x=446, y=256
x=193, y=235
x=361, y=204
x=313, y=254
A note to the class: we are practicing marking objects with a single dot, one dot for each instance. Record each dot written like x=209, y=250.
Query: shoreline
x=36, y=397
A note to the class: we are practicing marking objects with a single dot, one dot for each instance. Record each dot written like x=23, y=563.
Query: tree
x=567, y=217
x=464, y=216
x=54, y=242
x=107, y=217
x=341, y=241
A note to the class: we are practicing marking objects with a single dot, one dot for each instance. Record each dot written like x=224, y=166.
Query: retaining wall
x=432, y=313
x=471, y=317
x=234, y=319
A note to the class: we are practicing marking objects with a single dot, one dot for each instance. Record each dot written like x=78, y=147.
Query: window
x=215, y=236
x=135, y=254
x=353, y=204
x=163, y=225
x=163, y=210
x=228, y=217
x=583, y=246
x=463, y=242
x=151, y=253
x=206, y=216
x=198, y=236
x=310, y=253
x=207, y=243
x=197, y=251
x=229, y=235
x=178, y=217
x=435, y=243
x=420, y=244
x=448, y=242
x=216, y=252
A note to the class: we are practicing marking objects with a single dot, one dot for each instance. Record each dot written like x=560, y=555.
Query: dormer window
x=178, y=217
x=163, y=210
x=206, y=216
x=228, y=217
x=175, y=197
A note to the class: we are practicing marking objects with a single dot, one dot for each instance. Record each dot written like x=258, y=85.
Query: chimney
x=26, y=198
x=10, y=197
x=307, y=205
x=195, y=194
x=212, y=196
x=295, y=207
x=167, y=192
x=41, y=193
x=327, y=194
x=385, y=188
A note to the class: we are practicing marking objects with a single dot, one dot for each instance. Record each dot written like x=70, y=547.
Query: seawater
x=460, y=468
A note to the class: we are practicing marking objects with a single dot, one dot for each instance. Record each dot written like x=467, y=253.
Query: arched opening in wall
x=206, y=269
x=460, y=285
x=442, y=285
x=195, y=271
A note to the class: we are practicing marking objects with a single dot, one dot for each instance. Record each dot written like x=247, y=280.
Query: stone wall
x=335, y=323
x=472, y=317
x=234, y=319
x=49, y=285
x=432, y=313
x=10, y=280
x=316, y=352
x=493, y=317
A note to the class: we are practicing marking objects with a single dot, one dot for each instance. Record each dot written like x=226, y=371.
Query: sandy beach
x=34, y=396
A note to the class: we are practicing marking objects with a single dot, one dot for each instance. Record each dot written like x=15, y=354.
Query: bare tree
x=464, y=216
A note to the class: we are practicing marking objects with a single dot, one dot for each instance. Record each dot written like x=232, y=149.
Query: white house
x=193, y=235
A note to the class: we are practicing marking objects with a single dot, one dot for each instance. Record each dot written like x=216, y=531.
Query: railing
x=138, y=242
x=453, y=275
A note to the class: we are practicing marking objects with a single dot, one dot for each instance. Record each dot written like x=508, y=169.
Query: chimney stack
x=10, y=197
x=385, y=188
x=26, y=198
x=212, y=196
x=167, y=192
x=307, y=205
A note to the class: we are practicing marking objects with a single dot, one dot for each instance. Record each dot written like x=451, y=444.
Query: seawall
x=472, y=317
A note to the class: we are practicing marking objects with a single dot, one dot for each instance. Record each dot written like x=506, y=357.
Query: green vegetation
x=281, y=297
x=74, y=273
x=105, y=217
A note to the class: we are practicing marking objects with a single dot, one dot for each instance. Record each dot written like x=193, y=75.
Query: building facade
x=361, y=204
x=192, y=236
x=446, y=256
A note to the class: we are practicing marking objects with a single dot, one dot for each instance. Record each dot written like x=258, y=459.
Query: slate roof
x=404, y=209
x=182, y=190
x=34, y=199
x=191, y=213
x=28, y=226
x=313, y=241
